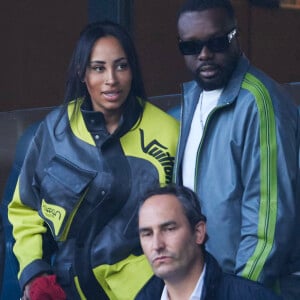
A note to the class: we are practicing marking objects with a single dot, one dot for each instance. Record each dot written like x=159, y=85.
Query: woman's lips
x=111, y=95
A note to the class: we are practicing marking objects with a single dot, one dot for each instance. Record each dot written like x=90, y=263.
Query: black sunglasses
x=218, y=44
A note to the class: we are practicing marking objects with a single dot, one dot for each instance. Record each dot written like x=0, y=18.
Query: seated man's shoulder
x=152, y=290
x=241, y=288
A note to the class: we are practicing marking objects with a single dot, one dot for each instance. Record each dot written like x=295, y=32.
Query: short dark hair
x=187, y=198
x=75, y=88
x=200, y=5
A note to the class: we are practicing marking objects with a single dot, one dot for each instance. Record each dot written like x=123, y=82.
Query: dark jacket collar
x=192, y=90
x=95, y=121
x=212, y=279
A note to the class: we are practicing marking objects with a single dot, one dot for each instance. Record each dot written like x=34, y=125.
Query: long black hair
x=75, y=86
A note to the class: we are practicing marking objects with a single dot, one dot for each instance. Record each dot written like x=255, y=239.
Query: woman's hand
x=26, y=293
x=26, y=290
x=43, y=287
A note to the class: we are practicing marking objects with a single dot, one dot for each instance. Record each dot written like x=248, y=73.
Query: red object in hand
x=46, y=288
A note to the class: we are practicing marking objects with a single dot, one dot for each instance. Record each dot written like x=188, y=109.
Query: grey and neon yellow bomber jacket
x=75, y=205
x=246, y=173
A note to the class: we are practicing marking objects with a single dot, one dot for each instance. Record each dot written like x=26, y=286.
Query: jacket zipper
x=201, y=142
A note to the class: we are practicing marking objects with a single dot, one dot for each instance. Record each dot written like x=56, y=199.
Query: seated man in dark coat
x=172, y=232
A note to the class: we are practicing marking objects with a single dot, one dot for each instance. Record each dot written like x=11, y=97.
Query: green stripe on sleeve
x=268, y=178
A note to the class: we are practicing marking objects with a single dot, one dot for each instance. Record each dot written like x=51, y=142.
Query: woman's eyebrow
x=104, y=62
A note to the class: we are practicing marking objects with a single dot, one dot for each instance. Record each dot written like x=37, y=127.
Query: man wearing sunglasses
x=238, y=148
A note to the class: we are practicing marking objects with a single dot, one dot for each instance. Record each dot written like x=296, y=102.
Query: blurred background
x=37, y=39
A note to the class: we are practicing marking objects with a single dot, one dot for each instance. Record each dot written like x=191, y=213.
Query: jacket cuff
x=33, y=270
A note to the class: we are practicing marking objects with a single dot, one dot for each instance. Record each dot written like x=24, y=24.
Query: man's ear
x=200, y=232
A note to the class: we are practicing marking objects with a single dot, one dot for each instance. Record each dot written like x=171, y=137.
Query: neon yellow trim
x=77, y=122
x=71, y=217
x=79, y=290
x=168, y=135
x=268, y=178
x=28, y=228
x=124, y=279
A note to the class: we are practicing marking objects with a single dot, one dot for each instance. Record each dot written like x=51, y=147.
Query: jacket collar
x=212, y=278
x=95, y=121
x=192, y=90
x=233, y=86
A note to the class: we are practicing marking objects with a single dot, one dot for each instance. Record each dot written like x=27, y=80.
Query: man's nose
x=158, y=241
x=205, y=54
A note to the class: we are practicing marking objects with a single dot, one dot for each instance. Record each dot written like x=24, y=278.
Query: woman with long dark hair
x=74, y=207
